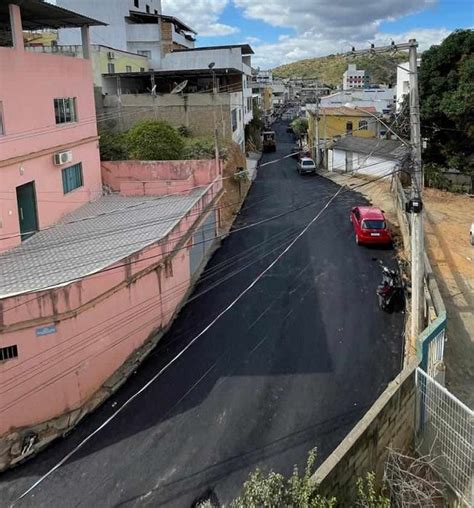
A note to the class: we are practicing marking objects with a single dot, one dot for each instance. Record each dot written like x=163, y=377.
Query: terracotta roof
x=345, y=111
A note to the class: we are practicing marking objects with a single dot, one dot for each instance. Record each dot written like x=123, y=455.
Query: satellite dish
x=180, y=87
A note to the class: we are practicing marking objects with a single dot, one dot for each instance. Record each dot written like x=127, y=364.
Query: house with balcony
x=136, y=26
x=203, y=89
x=89, y=281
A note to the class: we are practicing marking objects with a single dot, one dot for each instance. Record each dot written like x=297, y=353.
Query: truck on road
x=268, y=141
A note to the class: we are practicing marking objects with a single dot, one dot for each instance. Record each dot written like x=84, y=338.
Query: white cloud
x=201, y=15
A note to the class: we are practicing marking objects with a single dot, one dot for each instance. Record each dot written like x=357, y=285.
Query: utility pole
x=316, y=117
x=417, y=239
x=415, y=204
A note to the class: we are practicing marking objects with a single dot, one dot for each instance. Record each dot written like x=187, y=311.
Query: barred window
x=363, y=125
x=8, y=352
x=65, y=110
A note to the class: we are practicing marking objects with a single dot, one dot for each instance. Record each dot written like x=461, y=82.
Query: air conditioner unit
x=111, y=55
x=61, y=158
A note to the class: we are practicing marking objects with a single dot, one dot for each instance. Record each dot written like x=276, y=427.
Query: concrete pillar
x=16, y=27
x=86, y=42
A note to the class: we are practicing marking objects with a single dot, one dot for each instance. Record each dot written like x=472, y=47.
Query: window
x=142, y=69
x=148, y=9
x=128, y=68
x=363, y=125
x=65, y=110
x=349, y=126
x=373, y=224
x=144, y=52
x=156, y=11
x=8, y=352
x=72, y=177
x=234, y=120
x=2, y=128
x=136, y=3
x=110, y=68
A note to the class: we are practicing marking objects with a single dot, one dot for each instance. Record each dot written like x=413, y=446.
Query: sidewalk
x=447, y=220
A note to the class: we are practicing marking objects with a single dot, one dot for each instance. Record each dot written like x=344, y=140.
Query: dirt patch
x=448, y=219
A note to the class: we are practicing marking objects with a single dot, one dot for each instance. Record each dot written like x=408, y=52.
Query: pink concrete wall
x=29, y=84
x=59, y=372
x=51, y=201
x=144, y=178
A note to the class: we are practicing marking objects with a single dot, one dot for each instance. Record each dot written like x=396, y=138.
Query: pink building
x=88, y=282
x=48, y=134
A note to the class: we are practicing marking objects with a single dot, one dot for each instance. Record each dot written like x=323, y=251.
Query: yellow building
x=267, y=99
x=339, y=122
x=107, y=60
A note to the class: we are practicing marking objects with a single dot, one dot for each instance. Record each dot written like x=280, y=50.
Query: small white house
x=367, y=156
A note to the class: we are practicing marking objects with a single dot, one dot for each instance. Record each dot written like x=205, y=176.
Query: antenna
x=180, y=87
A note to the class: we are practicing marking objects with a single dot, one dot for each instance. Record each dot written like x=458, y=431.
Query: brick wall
x=390, y=422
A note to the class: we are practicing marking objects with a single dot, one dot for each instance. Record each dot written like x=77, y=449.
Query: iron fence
x=445, y=432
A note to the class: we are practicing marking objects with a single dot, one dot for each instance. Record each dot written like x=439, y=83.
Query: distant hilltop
x=329, y=69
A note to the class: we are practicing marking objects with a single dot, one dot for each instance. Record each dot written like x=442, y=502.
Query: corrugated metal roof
x=388, y=148
x=91, y=238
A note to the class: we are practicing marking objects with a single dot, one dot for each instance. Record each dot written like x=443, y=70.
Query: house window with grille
x=110, y=68
x=128, y=68
x=8, y=352
x=136, y=3
x=72, y=177
x=363, y=125
x=65, y=110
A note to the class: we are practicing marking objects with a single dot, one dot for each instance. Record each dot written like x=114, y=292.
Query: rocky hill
x=329, y=69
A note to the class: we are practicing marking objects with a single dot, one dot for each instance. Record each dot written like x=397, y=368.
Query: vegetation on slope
x=329, y=69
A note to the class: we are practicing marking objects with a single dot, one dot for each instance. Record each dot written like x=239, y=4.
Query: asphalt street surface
x=292, y=366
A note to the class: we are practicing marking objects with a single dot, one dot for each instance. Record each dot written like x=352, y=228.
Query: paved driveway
x=291, y=366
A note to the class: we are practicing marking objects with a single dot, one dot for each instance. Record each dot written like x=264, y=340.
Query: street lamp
x=211, y=68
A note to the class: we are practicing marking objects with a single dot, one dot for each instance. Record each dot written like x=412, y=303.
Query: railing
x=64, y=50
x=445, y=433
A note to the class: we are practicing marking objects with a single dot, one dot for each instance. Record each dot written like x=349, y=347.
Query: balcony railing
x=65, y=50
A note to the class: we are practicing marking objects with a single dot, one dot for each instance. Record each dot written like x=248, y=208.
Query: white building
x=137, y=26
x=353, y=78
x=403, y=82
x=367, y=156
x=224, y=59
x=264, y=77
x=382, y=99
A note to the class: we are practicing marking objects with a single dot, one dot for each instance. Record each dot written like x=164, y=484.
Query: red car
x=370, y=226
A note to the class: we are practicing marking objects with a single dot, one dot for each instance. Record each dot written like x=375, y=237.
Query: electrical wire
x=176, y=357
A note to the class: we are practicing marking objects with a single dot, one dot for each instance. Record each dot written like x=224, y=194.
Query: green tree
x=447, y=102
x=152, y=140
x=300, y=126
x=112, y=146
x=274, y=491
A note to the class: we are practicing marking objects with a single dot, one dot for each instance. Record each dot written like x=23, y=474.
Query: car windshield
x=307, y=163
x=373, y=224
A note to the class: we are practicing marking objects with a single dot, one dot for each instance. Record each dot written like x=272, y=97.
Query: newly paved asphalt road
x=291, y=366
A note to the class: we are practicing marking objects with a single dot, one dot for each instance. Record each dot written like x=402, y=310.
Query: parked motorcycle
x=390, y=292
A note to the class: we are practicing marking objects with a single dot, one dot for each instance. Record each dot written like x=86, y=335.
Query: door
x=26, y=199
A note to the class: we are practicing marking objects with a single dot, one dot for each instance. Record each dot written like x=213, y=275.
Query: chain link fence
x=445, y=432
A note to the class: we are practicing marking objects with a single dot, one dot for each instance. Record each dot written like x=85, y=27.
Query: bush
x=113, y=146
x=199, y=148
x=152, y=140
x=300, y=126
x=184, y=131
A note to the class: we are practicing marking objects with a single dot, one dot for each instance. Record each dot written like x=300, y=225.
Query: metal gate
x=202, y=242
x=445, y=432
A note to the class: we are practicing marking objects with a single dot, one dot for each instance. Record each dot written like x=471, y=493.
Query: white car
x=306, y=165
x=471, y=234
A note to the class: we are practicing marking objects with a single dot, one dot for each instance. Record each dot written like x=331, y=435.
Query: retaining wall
x=390, y=422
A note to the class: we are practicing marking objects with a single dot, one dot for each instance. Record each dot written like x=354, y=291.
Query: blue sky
x=281, y=31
